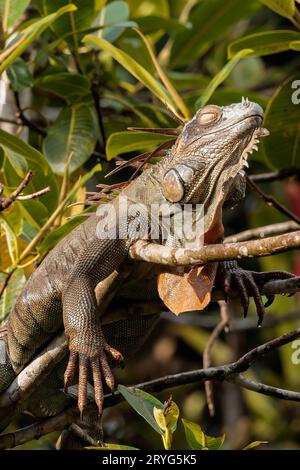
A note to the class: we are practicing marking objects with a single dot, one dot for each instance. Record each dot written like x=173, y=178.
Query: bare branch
x=158, y=254
x=276, y=175
x=264, y=231
x=229, y=372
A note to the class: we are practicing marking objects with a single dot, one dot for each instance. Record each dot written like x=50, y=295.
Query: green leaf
x=20, y=157
x=198, y=440
x=284, y=8
x=210, y=20
x=166, y=419
x=69, y=86
x=282, y=119
x=133, y=67
x=112, y=14
x=254, y=444
x=143, y=403
x=268, y=42
x=77, y=20
x=30, y=33
x=152, y=24
x=123, y=142
x=19, y=75
x=221, y=77
x=8, y=299
x=73, y=131
x=11, y=11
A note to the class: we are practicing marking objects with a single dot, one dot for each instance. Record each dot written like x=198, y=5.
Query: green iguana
x=106, y=302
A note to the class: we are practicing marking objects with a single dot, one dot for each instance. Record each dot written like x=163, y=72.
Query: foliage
x=78, y=74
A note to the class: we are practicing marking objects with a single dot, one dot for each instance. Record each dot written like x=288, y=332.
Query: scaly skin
x=204, y=166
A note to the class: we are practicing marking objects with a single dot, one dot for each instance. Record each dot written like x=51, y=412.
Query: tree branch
x=276, y=175
x=229, y=372
x=159, y=254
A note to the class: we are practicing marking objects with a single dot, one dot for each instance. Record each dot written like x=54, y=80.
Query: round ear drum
x=174, y=181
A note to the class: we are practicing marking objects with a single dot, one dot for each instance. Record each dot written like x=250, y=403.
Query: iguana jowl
x=205, y=165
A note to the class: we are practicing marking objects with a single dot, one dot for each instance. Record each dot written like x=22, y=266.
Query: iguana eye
x=209, y=115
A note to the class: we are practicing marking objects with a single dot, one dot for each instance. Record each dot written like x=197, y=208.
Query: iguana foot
x=248, y=283
x=94, y=358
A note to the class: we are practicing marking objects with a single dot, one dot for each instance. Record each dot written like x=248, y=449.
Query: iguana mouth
x=253, y=145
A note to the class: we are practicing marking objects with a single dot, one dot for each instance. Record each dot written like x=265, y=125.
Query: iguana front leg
x=248, y=283
x=88, y=347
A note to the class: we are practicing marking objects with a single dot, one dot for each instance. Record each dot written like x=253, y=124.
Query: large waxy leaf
x=133, y=67
x=282, y=119
x=77, y=20
x=269, y=42
x=19, y=158
x=123, y=142
x=284, y=8
x=69, y=86
x=74, y=131
x=210, y=20
x=11, y=10
x=28, y=35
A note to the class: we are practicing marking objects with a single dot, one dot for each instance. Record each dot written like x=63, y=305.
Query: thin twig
x=228, y=372
x=276, y=175
x=223, y=324
x=264, y=231
x=271, y=201
x=27, y=122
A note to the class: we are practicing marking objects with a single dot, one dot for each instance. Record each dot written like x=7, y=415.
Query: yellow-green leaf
x=133, y=67
x=284, y=8
x=221, y=76
x=269, y=42
x=28, y=35
x=122, y=142
x=166, y=419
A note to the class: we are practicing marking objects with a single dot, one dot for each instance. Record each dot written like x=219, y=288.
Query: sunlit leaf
x=11, y=11
x=221, y=77
x=254, y=444
x=284, y=8
x=143, y=403
x=123, y=142
x=198, y=440
x=28, y=35
x=133, y=67
x=265, y=43
x=166, y=419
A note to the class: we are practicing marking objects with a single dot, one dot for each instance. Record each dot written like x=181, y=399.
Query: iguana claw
x=100, y=370
x=248, y=283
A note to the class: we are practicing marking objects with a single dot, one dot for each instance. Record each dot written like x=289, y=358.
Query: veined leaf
x=221, y=76
x=282, y=147
x=28, y=35
x=133, y=67
x=77, y=20
x=19, y=75
x=20, y=157
x=74, y=131
x=123, y=142
x=284, y=8
x=269, y=42
x=198, y=440
x=143, y=403
x=11, y=11
x=69, y=86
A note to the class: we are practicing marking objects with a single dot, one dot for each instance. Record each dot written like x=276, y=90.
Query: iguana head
x=211, y=152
